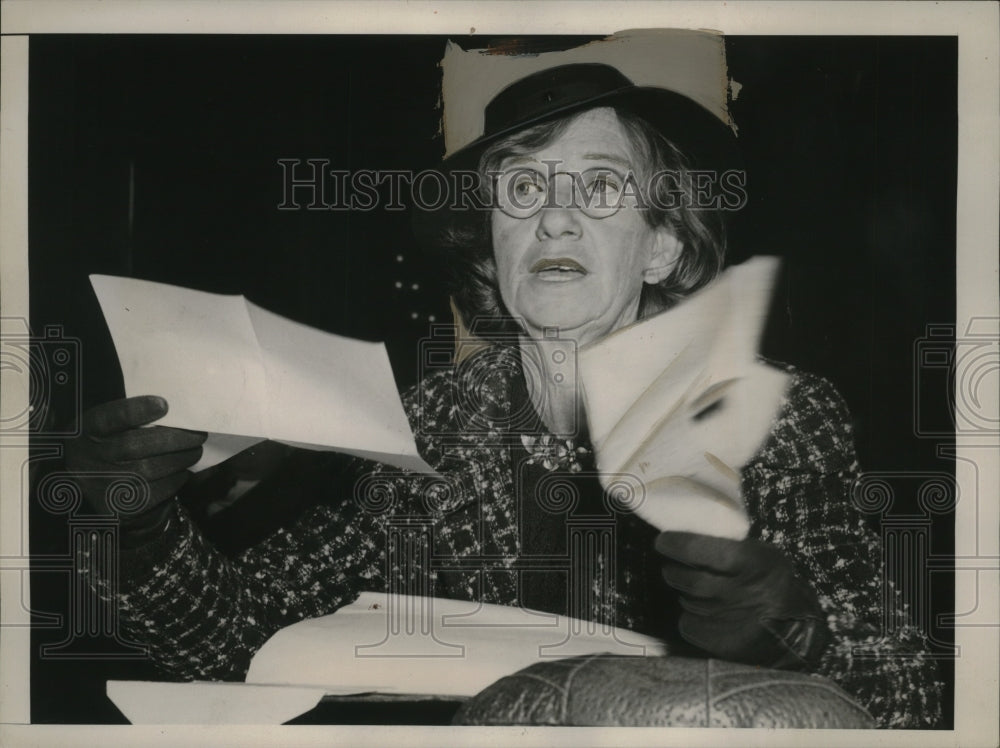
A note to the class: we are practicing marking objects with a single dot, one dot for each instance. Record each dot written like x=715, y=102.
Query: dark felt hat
x=707, y=141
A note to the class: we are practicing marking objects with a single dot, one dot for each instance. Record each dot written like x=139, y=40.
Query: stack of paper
x=389, y=644
x=206, y=703
x=677, y=404
x=429, y=645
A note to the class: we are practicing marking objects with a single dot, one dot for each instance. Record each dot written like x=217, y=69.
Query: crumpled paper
x=677, y=403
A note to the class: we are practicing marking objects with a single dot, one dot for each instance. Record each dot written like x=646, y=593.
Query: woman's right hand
x=112, y=442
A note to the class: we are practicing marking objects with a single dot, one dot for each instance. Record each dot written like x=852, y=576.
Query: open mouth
x=558, y=269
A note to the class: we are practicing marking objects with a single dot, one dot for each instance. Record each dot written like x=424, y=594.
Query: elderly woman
x=592, y=222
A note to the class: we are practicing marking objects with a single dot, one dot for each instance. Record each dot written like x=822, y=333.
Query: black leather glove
x=112, y=443
x=742, y=601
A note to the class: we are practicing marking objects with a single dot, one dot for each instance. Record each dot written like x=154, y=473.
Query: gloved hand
x=742, y=601
x=111, y=444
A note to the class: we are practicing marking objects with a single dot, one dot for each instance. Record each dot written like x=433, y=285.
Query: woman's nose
x=558, y=222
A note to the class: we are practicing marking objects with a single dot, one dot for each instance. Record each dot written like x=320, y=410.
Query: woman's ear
x=667, y=250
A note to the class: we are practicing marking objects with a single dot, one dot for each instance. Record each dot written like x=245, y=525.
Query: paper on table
x=244, y=374
x=677, y=403
x=429, y=645
x=205, y=703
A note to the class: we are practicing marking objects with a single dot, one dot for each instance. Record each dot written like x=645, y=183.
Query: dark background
x=157, y=157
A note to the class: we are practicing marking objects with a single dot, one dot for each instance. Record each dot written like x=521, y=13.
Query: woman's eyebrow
x=620, y=160
x=523, y=159
x=531, y=159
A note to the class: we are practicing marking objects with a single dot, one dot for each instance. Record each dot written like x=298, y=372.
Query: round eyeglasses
x=598, y=193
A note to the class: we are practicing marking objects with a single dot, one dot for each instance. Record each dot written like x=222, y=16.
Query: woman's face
x=562, y=268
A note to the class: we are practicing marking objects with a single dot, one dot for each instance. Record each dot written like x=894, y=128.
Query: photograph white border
x=978, y=207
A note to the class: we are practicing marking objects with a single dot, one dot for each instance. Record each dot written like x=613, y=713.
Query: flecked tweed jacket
x=510, y=501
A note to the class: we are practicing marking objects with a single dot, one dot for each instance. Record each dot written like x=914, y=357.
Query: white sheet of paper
x=207, y=703
x=244, y=374
x=649, y=388
x=425, y=645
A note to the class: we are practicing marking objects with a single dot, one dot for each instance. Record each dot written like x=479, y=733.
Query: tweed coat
x=473, y=533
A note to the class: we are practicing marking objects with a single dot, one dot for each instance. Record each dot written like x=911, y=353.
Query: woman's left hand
x=742, y=601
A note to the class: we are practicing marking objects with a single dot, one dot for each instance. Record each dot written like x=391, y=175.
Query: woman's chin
x=569, y=325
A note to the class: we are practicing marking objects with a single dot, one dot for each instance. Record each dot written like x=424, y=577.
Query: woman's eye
x=521, y=191
x=605, y=185
x=528, y=186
